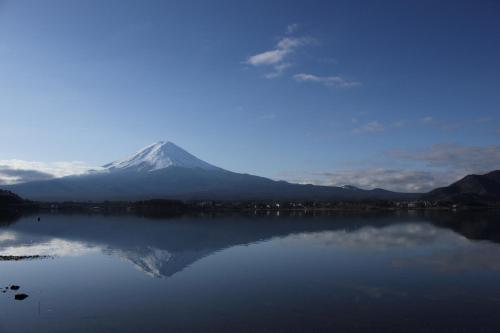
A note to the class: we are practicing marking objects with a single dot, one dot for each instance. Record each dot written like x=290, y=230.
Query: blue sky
x=397, y=94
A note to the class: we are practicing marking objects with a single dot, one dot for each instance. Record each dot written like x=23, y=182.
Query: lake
x=344, y=272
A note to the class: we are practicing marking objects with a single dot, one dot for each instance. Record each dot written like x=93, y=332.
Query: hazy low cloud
x=331, y=81
x=19, y=171
x=10, y=176
x=467, y=159
x=436, y=166
x=390, y=179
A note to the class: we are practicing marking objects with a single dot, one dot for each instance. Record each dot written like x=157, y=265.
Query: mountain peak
x=159, y=155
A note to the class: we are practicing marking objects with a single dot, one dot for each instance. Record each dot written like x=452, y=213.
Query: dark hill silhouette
x=9, y=198
x=470, y=189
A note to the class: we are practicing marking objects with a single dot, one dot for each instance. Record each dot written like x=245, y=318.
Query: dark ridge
x=472, y=189
x=9, y=198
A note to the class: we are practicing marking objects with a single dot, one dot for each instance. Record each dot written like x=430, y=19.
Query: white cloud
x=371, y=127
x=332, y=81
x=291, y=43
x=18, y=171
x=278, y=70
x=276, y=57
x=284, y=47
x=267, y=58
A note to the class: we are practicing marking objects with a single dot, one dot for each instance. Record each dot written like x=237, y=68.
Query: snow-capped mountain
x=159, y=155
x=164, y=170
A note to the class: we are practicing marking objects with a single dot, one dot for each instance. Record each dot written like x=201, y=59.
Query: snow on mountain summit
x=159, y=155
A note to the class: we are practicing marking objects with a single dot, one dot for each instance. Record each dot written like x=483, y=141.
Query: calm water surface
x=347, y=272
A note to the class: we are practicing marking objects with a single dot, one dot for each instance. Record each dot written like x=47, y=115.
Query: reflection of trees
x=164, y=246
x=475, y=225
x=8, y=218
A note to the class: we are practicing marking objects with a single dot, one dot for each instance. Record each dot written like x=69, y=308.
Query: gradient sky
x=399, y=94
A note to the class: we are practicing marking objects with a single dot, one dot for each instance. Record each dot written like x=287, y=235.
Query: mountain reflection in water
x=163, y=247
x=348, y=272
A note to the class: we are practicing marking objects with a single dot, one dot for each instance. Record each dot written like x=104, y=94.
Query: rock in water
x=20, y=297
x=14, y=287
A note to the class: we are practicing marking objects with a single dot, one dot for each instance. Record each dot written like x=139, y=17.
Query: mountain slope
x=163, y=170
x=184, y=183
x=470, y=188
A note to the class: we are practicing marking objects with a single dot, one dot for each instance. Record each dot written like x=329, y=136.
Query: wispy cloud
x=427, y=120
x=278, y=70
x=331, y=81
x=267, y=58
x=292, y=28
x=370, y=127
x=398, y=124
x=466, y=159
x=432, y=167
x=276, y=58
x=391, y=179
x=19, y=171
